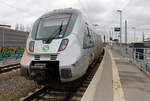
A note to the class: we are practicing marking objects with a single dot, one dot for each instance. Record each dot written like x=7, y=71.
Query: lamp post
x=143, y=36
x=120, y=11
x=134, y=32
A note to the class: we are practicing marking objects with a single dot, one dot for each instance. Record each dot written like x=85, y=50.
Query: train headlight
x=63, y=44
x=31, y=46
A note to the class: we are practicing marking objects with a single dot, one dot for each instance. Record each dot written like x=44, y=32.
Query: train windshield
x=53, y=26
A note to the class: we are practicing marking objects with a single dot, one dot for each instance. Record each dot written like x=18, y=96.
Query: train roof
x=65, y=10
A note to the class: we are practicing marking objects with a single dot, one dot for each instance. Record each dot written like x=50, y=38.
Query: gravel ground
x=13, y=86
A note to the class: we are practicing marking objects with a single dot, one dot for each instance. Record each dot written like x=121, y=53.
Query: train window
x=95, y=38
x=88, y=41
x=85, y=40
x=92, y=39
x=89, y=33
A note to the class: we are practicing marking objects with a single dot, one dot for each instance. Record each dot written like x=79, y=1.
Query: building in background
x=5, y=26
x=147, y=42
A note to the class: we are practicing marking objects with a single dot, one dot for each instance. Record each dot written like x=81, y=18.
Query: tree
x=20, y=27
x=23, y=28
x=17, y=27
x=27, y=28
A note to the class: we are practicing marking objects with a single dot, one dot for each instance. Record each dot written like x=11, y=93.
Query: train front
x=45, y=58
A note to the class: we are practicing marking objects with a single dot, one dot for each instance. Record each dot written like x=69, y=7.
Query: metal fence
x=139, y=56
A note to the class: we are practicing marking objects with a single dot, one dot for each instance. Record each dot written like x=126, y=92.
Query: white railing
x=141, y=59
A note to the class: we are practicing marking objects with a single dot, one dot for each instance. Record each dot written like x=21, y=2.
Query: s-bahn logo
x=45, y=48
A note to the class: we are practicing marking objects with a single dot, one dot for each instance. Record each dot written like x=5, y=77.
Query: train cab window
x=88, y=41
x=49, y=26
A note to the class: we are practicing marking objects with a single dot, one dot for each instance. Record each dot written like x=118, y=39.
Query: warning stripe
x=118, y=94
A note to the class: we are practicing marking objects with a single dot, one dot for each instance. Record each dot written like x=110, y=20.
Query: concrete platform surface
x=118, y=80
x=135, y=83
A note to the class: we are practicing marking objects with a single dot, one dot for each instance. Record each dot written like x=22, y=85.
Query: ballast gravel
x=13, y=86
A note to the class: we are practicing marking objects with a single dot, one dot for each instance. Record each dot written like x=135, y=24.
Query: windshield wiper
x=60, y=28
x=55, y=34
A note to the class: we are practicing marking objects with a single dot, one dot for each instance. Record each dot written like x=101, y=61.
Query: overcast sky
x=102, y=12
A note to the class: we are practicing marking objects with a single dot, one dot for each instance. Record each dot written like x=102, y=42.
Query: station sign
x=117, y=29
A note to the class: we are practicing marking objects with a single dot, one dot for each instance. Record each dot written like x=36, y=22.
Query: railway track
x=65, y=94
x=9, y=68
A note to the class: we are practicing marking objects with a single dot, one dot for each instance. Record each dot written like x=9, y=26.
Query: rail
x=9, y=67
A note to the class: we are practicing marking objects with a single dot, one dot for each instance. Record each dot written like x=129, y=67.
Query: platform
x=118, y=80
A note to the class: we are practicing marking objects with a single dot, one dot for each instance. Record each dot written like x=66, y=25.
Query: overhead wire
x=83, y=8
x=11, y=6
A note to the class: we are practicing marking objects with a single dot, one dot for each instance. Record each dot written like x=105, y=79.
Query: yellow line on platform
x=118, y=94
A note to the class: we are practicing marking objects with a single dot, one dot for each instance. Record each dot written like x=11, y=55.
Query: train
x=60, y=47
